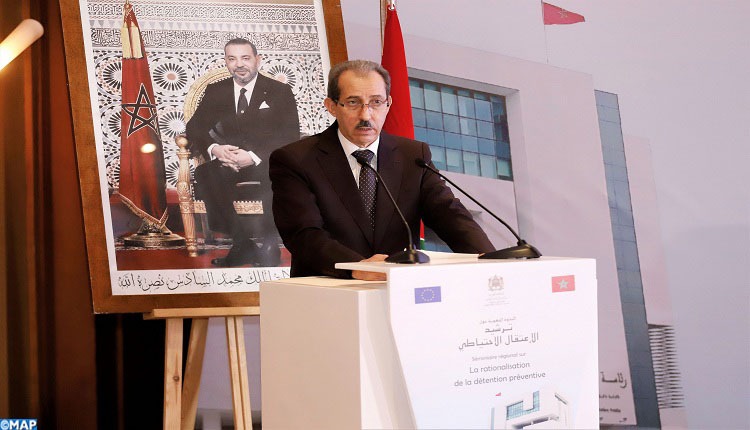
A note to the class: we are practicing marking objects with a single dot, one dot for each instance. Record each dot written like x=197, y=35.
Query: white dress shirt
x=349, y=148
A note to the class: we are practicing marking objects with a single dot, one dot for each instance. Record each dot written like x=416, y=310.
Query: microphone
x=408, y=255
x=521, y=250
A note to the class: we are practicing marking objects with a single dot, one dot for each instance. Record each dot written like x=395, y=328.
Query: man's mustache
x=364, y=124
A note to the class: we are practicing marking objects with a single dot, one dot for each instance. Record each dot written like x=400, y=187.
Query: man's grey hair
x=361, y=68
x=241, y=41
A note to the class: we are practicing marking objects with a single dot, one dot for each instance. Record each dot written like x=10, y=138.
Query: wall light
x=27, y=32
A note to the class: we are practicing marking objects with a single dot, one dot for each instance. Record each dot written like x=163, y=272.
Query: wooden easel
x=181, y=393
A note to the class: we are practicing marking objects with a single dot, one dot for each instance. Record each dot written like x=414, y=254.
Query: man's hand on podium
x=370, y=276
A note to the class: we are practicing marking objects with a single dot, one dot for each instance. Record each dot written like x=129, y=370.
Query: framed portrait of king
x=177, y=106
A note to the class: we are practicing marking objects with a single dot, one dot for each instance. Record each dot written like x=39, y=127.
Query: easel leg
x=172, y=374
x=193, y=370
x=238, y=373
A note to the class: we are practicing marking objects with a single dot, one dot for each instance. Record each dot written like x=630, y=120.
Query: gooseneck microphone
x=408, y=255
x=521, y=250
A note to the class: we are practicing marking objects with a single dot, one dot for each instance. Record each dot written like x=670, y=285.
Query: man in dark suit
x=237, y=124
x=321, y=203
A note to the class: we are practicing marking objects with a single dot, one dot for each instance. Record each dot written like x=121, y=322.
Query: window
x=467, y=130
x=516, y=410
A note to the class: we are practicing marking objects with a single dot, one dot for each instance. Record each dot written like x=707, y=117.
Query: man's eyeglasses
x=355, y=105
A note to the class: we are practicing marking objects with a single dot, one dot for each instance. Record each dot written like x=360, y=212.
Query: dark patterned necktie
x=367, y=183
x=242, y=102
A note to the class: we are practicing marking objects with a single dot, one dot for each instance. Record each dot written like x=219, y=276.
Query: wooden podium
x=457, y=343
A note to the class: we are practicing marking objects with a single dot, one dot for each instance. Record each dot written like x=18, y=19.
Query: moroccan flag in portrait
x=142, y=173
x=557, y=15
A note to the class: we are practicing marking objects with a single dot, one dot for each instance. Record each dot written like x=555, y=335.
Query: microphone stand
x=521, y=250
x=409, y=255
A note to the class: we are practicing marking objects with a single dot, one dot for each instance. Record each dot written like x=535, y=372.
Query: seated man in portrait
x=236, y=126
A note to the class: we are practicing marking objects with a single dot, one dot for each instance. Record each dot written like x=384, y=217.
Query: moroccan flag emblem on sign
x=563, y=283
x=142, y=177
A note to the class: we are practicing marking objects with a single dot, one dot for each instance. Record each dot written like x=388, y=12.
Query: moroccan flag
x=562, y=284
x=399, y=120
x=142, y=177
x=557, y=15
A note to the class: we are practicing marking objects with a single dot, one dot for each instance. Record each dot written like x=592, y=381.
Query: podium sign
x=452, y=344
x=498, y=344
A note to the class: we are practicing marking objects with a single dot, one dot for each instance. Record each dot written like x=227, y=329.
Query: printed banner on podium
x=498, y=345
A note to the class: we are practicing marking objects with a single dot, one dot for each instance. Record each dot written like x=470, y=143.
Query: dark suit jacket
x=322, y=220
x=258, y=130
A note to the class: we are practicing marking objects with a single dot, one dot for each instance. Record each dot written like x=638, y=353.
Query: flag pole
x=142, y=181
x=544, y=26
x=385, y=5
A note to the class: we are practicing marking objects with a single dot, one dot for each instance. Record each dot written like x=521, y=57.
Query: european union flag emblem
x=426, y=295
